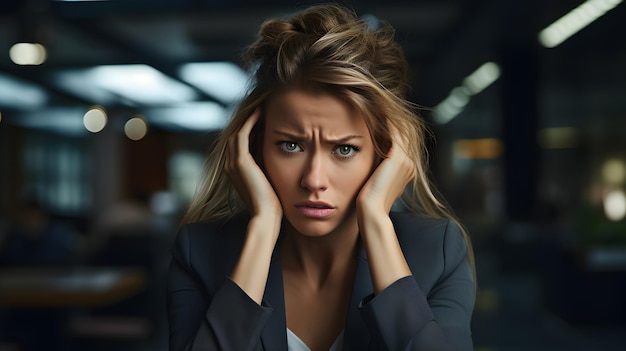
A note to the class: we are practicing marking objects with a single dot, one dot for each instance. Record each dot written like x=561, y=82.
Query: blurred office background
x=107, y=108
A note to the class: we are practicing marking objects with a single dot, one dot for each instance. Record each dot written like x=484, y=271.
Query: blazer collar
x=274, y=335
x=356, y=335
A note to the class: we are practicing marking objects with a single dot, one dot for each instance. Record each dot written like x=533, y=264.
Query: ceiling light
x=21, y=95
x=225, y=81
x=459, y=97
x=615, y=205
x=136, y=128
x=481, y=78
x=132, y=84
x=62, y=120
x=28, y=54
x=574, y=21
x=199, y=116
x=95, y=119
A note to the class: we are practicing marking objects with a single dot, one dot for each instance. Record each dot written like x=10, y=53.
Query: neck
x=320, y=259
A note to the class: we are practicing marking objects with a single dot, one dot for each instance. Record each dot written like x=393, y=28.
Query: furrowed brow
x=300, y=138
x=343, y=140
x=289, y=136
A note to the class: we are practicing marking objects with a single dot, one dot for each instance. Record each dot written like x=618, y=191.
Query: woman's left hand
x=385, y=185
x=388, y=180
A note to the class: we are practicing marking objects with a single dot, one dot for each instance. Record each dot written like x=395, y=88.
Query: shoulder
x=431, y=246
x=407, y=223
x=209, y=243
x=415, y=230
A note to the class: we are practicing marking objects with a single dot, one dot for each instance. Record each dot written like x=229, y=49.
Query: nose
x=314, y=175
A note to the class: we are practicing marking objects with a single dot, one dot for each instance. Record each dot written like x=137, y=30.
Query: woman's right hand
x=246, y=175
x=252, y=268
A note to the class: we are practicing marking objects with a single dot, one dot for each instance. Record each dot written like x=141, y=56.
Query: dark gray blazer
x=430, y=310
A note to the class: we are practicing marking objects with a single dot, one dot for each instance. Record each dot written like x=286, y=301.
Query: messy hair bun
x=317, y=44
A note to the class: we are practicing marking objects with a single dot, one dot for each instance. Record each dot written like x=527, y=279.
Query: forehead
x=302, y=110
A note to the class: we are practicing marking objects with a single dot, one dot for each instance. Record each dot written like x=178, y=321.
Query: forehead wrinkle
x=291, y=136
x=342, y=140
x=312, y=119
x=301, y=137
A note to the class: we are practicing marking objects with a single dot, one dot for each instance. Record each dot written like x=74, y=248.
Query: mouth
x=315, y=209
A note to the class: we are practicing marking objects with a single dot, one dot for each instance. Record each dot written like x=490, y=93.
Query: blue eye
x=346, y=151
x=289, y=146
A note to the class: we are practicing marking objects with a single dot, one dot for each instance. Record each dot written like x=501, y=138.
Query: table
x=54, y=287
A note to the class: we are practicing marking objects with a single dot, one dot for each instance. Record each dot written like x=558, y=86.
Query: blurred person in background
x=291, y=242
x=38, y=239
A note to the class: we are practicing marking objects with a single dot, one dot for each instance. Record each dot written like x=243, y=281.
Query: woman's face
x=317, y=154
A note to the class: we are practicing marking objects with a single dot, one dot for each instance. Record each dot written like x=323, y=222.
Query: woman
x=290, y=242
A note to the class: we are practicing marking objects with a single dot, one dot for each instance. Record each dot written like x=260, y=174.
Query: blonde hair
x=328, y=48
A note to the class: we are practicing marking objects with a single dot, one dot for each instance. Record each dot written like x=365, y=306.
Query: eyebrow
x=300, y=138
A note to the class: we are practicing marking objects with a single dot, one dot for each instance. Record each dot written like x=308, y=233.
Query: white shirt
x=295, y=344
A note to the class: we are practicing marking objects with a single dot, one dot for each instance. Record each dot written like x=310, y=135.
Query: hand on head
x=388, y=180
x=246, y=175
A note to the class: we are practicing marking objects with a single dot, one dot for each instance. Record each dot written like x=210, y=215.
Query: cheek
x=368, y=162
x=354, y=177
x=349, y=178
x=275, y=172
x=272, y=171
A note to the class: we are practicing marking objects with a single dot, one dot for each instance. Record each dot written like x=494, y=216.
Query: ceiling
x=444, y=40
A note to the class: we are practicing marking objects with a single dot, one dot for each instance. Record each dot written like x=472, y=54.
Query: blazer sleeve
x=403, y=317
x=227, y=319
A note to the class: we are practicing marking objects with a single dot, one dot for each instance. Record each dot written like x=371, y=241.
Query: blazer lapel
x=356, y=335
x=274, y=335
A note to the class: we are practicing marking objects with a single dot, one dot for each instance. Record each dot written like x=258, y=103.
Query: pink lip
x=316, y=209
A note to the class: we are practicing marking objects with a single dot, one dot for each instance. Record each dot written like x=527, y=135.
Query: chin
x=317, y=228
x=312, y=230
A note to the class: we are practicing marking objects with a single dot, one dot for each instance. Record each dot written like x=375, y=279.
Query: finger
x=399, y=153
x=246, y=129
x=397, y=139
x=252, y=120
x=240, y=160
x=231, y=154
